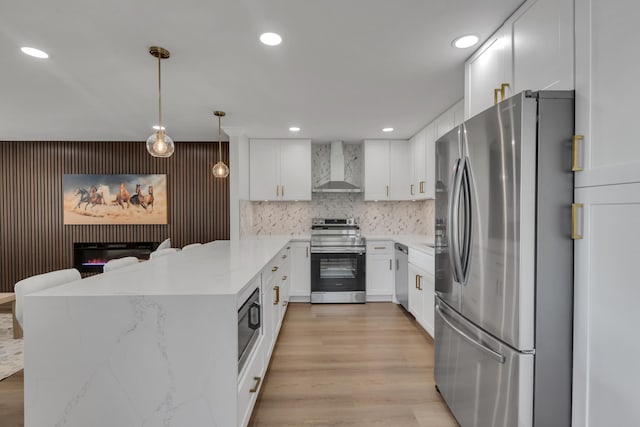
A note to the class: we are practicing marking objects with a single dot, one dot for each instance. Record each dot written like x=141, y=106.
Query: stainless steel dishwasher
x=402, y=275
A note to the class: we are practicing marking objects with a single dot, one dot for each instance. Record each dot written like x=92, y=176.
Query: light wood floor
x=334, y=365
x=351, y=365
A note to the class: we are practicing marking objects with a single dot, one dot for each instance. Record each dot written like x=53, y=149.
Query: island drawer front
x=277, y=266
x=250, y=384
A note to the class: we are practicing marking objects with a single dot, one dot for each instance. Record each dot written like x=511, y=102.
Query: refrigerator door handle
x=454, y=222
x=493, y=354
x=465, y=253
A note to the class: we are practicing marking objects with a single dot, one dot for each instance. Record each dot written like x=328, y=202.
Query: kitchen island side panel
x=128, y=360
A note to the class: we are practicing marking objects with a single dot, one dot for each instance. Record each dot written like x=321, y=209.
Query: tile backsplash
x=376, y=218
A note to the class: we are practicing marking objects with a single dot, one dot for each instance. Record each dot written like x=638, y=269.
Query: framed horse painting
x=115, y=199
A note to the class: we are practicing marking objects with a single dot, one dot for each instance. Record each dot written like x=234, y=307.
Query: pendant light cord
x=159, y=95
x=219, y=142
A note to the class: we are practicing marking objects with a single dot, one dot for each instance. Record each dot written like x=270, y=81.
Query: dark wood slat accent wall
x=33, y=239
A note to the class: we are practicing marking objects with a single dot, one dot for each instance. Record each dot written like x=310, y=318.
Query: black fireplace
x=91, y=257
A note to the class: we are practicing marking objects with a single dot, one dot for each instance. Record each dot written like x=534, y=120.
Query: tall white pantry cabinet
x=607, y=215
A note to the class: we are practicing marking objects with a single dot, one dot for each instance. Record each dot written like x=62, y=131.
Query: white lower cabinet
x=606, y=315
x=300, y=283
x=422, y=288
x=380, y=274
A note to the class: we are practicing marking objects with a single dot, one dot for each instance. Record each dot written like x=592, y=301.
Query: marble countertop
x=222, y=267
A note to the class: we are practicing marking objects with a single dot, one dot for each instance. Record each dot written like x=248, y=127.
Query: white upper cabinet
x=487, y=72
x=399, y=170
x=386, y=170
x=607, y=92
x=280, y=169
x=542, y=34
x=533, y=50
x=418, y=166
x=428, y=190
x=376, y=170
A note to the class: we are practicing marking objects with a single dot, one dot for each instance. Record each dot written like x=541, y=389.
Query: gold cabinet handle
x=412, y=189
x=574, y=221
x=390, y=264
x=495, y=96
x=379, y=247
x=421, y=186
x=282, y=190
x=277, y=290
x=258, y=380
x=277, y=190
x=503, y=86
x=575, y=153
x=284, y=257
x=274, y=268
x=284, y=277
x=387, y=191
x=417, y=282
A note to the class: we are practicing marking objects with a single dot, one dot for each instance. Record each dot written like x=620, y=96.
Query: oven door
x=338, y=273
x=249, y=327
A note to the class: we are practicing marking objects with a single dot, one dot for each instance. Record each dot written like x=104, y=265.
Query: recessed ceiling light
x=270, y=39
x=36, y=53
x=387, y=129
x=464, y=42
x=156, y=127
x=294, y=129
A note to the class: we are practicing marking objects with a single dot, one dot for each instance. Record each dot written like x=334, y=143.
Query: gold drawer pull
x=421, y=186
x=284, y=277
x=278, y=190
x=417, y=282
x=284, y=257
x=277, y=289
x=258, y=380
x=379, y=247
x=274, y=269
x=411, y=189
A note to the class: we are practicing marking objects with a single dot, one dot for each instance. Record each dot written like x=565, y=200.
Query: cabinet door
x=543, y=46
x=486, y=71
x=399, y=170
x=380, y=275
x=300, y=271
x=295, y=170
x=416, y=302
x=606, y=315
x=429, y=187
x=428, y=301
x=376, y=169
x=418, y=154
x=607, y=91
x=264, y=166
x=444, y=123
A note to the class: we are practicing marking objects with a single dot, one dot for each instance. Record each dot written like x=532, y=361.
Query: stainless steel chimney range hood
x=336, y=183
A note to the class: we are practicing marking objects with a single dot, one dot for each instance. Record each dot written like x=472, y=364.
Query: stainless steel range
x=337, y=261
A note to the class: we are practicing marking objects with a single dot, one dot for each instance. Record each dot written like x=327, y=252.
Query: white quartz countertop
x=418, y=242
x=222, y=267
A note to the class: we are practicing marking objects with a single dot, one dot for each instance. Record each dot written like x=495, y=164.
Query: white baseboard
x=299, y=298
x=379, y=298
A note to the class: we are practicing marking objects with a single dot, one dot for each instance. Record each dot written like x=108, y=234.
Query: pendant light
x=220, y=170
x=159, y=144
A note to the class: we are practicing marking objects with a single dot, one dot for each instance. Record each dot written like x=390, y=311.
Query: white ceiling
x=345, y=68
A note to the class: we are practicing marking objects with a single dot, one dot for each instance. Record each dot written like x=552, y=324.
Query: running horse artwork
x=111, y=199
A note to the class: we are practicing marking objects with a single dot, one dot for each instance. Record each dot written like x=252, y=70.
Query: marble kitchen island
x=154, y=344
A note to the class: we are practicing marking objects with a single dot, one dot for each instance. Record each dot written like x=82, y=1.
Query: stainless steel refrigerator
x=504, y=264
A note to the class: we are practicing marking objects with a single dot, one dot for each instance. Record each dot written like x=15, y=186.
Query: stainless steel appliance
x=249, y=326
x=337, y=261
x=504, y=264
x=402, y=275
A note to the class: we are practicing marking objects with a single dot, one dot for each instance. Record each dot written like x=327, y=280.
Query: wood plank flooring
x=351, y=365
x=334, y=365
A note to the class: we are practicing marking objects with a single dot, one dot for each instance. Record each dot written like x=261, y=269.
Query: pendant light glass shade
x=220, y=170
x=159, y=144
